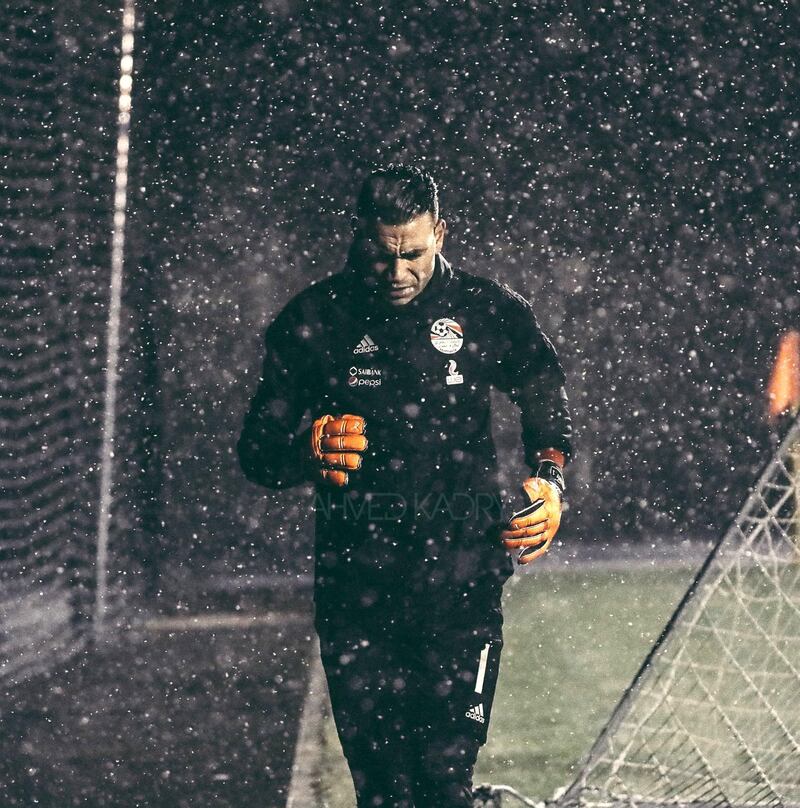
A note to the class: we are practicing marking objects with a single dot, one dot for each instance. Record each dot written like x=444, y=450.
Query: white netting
x=714, y=716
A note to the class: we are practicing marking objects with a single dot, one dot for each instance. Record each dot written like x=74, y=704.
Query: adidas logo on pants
x=476, y=713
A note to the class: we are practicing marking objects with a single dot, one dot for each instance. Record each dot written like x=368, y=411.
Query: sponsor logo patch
x=364, y=377
x=447, y=335
x=365, y=346
x=453, y=376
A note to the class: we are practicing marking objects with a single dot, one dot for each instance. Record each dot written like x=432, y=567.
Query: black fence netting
x=58, y=128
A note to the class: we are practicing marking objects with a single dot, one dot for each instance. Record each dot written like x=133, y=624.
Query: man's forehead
x=419, y=229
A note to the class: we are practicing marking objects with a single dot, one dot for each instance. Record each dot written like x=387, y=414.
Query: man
x=393, y=359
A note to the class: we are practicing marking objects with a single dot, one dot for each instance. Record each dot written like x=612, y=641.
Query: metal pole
x=114, y=308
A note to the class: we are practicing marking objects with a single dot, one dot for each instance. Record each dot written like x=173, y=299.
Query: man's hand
x=534, y=527
x=336, y=446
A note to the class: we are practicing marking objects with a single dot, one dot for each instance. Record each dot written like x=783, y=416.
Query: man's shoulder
x=310, y=311
x=489, y=291
x=316, y=296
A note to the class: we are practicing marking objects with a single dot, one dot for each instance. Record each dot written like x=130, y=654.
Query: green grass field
x=573, y=641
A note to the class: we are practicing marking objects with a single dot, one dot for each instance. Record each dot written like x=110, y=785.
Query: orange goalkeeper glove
x=534, y=527
x=336, y=446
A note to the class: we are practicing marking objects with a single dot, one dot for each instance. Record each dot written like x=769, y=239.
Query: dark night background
x=631, y=170
x=634, y=174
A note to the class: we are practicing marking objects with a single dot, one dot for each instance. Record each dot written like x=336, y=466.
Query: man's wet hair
x=397, y=193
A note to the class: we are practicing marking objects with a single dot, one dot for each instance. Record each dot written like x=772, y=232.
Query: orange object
x=336, y=444
x=532, y=529
x=783, y=389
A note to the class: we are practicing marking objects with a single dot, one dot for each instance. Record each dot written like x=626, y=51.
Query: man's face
x=399, y=258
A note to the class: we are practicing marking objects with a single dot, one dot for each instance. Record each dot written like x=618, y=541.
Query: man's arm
x=532, y=376
x=545, y=417
x=530, y=373
x=271, y=451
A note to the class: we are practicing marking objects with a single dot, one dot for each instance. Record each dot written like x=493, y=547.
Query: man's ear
x=439, y=231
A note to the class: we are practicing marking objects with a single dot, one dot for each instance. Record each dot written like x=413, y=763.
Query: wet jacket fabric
x=416, y=529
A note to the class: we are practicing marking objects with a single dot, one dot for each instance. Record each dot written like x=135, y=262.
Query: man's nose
x=397, y=268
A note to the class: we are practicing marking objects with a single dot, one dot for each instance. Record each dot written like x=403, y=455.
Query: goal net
x=713, y=716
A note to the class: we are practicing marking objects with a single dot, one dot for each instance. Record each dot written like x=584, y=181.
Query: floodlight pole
x=114, y=310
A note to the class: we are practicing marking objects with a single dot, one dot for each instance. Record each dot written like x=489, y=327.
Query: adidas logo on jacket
x=365, y=346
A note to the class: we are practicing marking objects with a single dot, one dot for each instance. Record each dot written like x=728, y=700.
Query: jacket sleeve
x=530, y=373
x=271, y=451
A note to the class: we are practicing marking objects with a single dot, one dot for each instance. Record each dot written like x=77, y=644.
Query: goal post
x=713, y=715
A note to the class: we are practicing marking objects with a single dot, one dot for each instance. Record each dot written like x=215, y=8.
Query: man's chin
x=397, y=300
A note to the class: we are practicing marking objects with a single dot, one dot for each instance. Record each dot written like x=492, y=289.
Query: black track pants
x=412, y=706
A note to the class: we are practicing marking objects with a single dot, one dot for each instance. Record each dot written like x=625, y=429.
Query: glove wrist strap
x=550, y=471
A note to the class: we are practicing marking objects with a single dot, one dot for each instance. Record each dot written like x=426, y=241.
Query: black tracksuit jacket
x=416, y=529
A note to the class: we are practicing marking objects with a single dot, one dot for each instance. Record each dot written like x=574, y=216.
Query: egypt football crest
x=447, y=335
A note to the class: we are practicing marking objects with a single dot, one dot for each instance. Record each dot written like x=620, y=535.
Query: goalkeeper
x=376, y=386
